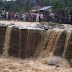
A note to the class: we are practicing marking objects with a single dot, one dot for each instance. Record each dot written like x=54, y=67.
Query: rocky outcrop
x=60, y=45
x=23, y=42
x=29, y=42
x=68, y=53
x=2, y=38
x=14, y=43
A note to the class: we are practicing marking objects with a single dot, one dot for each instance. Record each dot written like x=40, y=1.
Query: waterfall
x=59, y=49
x=48, y=43
x=57, y=38
x=42, y=44
x=27, y=43
x=7, y=41
x=51, y=43
x=68, y=35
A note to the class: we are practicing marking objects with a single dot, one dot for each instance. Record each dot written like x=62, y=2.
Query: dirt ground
x=28, y=65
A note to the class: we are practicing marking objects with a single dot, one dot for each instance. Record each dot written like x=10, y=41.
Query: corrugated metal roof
x=45, y=8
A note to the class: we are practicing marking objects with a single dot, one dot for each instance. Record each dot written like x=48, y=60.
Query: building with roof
x=47, y=8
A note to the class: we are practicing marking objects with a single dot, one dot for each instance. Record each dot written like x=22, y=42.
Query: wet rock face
x=33, y=41
x=23, y=47
x=60, y=45
x=29, y=42
x=14, y=43
x=23, y=42
x=68, y=53
x=2, y=38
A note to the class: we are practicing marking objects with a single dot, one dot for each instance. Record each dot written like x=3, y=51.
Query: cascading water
x=51, y=43
x=60, y=44
x=68, y=35
x=7, y=41
x=27, y=43
x=68, y=50
x=57, y=38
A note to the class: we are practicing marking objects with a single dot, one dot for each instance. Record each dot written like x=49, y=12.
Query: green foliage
x=26, y=5
x=58, y=5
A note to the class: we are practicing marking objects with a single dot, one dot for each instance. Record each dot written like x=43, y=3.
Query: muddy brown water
x=26, y=43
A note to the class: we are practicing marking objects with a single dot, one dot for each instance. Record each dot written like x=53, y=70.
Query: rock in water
x=52, y=61
x=57, y=61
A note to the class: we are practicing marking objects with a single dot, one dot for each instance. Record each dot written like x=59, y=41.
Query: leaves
x=26, y=5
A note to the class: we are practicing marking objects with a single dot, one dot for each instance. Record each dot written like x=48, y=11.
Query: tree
x=26, y=5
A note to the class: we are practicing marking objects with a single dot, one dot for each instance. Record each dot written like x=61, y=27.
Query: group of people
x=11, y=15
x=65, y=18
x=57, y=17
x=28, y=16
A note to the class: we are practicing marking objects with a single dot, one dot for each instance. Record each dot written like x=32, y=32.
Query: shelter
x=36, y=8
x=47, y=8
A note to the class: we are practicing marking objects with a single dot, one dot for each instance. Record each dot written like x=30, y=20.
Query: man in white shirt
x=37, y=17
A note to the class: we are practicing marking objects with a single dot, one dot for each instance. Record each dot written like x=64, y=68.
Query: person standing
x=12, y=15
x=37, y=17
x=7, y=15
x=3, y=14
x=24, y=17
x=41, y=17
